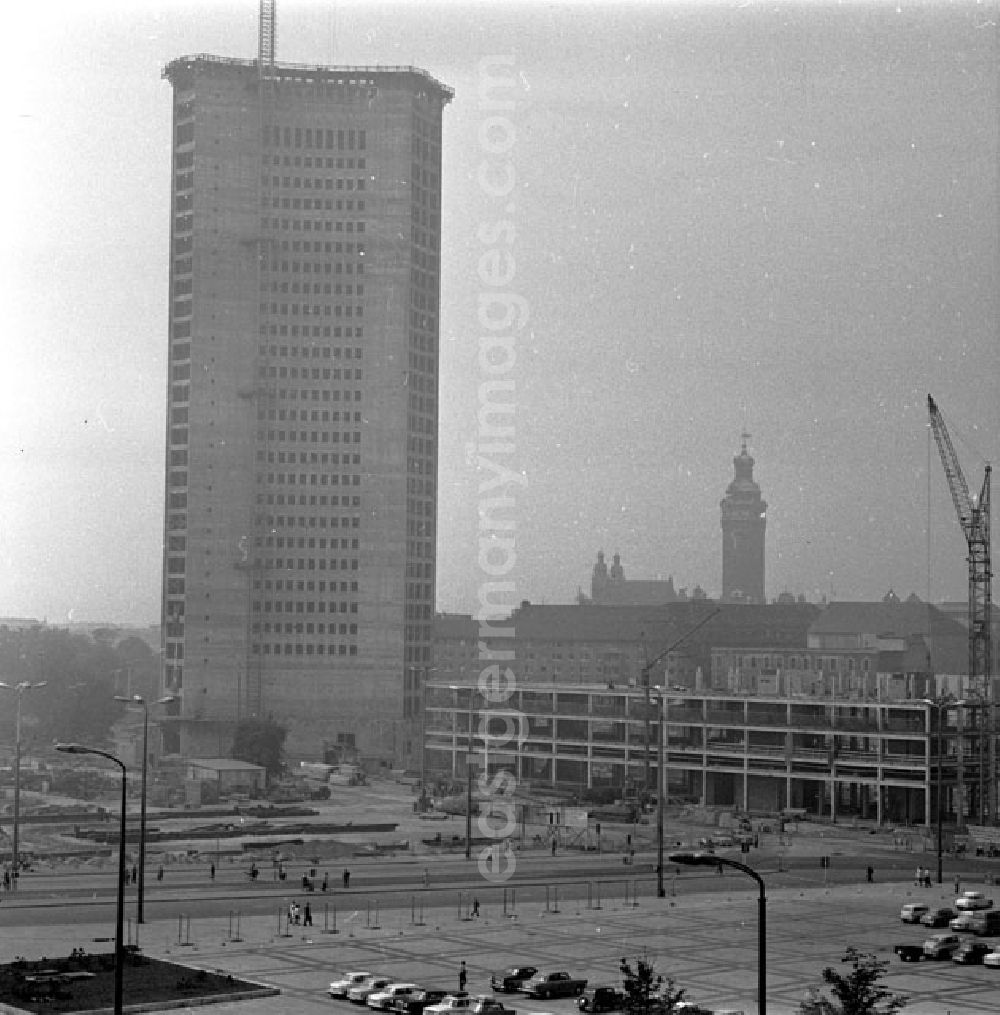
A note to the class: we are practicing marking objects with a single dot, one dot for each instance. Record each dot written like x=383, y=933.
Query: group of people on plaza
x=299, y=915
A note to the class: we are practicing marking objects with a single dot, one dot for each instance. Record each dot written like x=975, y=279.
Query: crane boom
x=974, y=518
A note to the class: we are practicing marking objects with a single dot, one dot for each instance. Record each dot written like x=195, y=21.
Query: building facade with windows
x=794, y=708
x=836, y=757
x=300, y=514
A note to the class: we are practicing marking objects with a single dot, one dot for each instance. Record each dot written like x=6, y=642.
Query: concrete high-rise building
x=300, y=516
x=744, y=517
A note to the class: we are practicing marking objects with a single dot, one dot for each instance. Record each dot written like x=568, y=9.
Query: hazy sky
x=775, y=216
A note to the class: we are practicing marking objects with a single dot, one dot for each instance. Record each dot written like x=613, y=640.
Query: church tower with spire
x=743, y=523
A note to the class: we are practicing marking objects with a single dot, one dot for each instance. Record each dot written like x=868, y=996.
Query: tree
x=857, y=992
x=645, y=993
x=260, y=742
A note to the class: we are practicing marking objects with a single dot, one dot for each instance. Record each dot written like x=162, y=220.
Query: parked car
x=937, y=917
x=554, y=984
x=912, y=911
x=972, y=953
x=348, y=981
x=992, y=959
x=942, y=946
x=973, y=900
x=360, y=993
x=483, y=1004
x=985, y=922
x=598, y=999
x=383, y=1000
x=512, y=978
x=909, y=953
x=414, y=1004
x=964, y=921
x=450, y=1005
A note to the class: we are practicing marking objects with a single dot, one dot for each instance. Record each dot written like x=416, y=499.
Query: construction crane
x=974, y=519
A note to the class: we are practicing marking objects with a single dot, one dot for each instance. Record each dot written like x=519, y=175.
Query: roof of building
x=893, y=618
x=730, y=624
x=225, y=765
x=636, y=592
x=353, y=74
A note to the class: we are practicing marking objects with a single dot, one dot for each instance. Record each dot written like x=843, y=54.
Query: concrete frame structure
x=300, y=508
x=839, y=756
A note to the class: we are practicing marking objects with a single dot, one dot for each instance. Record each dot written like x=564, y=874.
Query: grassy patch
x=84, y=982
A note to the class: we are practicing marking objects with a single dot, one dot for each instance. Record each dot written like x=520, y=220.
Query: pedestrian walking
x=958, y=884
x=135, y=874
x=159, y=873
x=347, y=878
x=463, y=978
x=326, y=880
x=870, y=873
x=307, y=917
x=211, y=872
x=475, y=907
x=918, y=878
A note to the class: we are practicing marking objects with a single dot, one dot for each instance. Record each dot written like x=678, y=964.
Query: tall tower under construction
x=744, y=518
x=301, y=452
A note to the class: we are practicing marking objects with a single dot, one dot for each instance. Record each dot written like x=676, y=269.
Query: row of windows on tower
x=316, y=137
x=305, y=330
x=310, y=309
x=311, y=351
x=316, y=288
x=310, y=182
x=291, y=499
x=308, y=479
x=304, y=627
x=304, y=225
x=303, y=543
x=309, y=649
x=314, y=162
x=303, y=585
x=307, y=563
x=302, y=606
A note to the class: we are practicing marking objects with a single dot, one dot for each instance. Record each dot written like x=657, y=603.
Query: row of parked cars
x=384, y=994
x=973, y=912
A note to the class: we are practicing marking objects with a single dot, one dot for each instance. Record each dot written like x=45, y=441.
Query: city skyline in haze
x=776, y=219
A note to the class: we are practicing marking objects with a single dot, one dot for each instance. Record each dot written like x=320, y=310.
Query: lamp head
x=694, y=859
x=72, y=748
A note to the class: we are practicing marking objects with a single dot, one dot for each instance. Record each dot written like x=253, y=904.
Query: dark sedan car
x=512, y=978
x=971, y=953
x=909, y=953
x=414, y=1004
x=598, y=999
x=939, y=917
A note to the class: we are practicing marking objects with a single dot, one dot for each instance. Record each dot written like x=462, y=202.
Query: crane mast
x=974, y=519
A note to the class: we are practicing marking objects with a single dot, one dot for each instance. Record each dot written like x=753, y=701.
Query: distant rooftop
x=302, y=73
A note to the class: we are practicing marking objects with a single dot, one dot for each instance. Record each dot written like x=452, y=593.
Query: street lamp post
x=711, y=860
x=945, y=701
x=19, y=689
x=468, y=772
x=137, y=699
x=661, y=790
x=120, y=910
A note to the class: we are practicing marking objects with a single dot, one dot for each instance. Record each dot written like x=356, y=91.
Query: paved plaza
x=707, y=941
